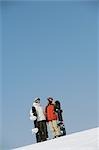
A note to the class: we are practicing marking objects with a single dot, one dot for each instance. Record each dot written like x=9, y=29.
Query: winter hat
x=50, y=99
x=37, y=100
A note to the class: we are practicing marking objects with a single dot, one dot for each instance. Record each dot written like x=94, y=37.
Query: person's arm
x=34, y=111
x=32, y=116
x=45, y=112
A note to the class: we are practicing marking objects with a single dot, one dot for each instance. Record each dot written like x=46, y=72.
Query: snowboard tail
x=62, y=128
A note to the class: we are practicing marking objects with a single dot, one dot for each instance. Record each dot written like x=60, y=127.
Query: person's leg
x=36, y=125
x=56, y=128
x=40, y=130
x=45, y=129
x=51, y=128
x=47, y=136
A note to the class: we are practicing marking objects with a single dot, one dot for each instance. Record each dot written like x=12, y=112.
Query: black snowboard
x=60, y=118
x=38, y=139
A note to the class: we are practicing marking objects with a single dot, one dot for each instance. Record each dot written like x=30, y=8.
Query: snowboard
x=59, y=111
x=35, y=130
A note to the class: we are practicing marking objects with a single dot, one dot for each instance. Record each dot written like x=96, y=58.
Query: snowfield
x=84, y=140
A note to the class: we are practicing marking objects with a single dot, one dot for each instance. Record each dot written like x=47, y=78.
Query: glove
x=33, y=118
x=35, y=130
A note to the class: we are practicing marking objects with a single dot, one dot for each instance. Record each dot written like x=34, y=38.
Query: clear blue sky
x=49, y=49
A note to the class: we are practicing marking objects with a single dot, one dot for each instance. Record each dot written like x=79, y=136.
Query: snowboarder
x=40, y=122
x=52, y=118
x=59, y=111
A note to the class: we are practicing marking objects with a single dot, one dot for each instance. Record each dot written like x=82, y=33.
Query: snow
x=84, y=140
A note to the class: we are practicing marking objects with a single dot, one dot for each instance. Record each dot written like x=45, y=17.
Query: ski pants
x=42, y=126
x=54, y=128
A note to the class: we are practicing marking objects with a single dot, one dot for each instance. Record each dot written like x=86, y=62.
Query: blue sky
x=48, y=49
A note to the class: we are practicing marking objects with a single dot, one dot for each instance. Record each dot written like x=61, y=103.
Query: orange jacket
x=50, y=112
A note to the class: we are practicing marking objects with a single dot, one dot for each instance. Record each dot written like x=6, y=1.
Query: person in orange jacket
x=52, y=118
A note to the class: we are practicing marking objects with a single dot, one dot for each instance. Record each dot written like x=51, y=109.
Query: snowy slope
x=85, y=140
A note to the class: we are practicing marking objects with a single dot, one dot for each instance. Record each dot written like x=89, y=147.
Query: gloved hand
x=33, y=118
x=34, y=130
